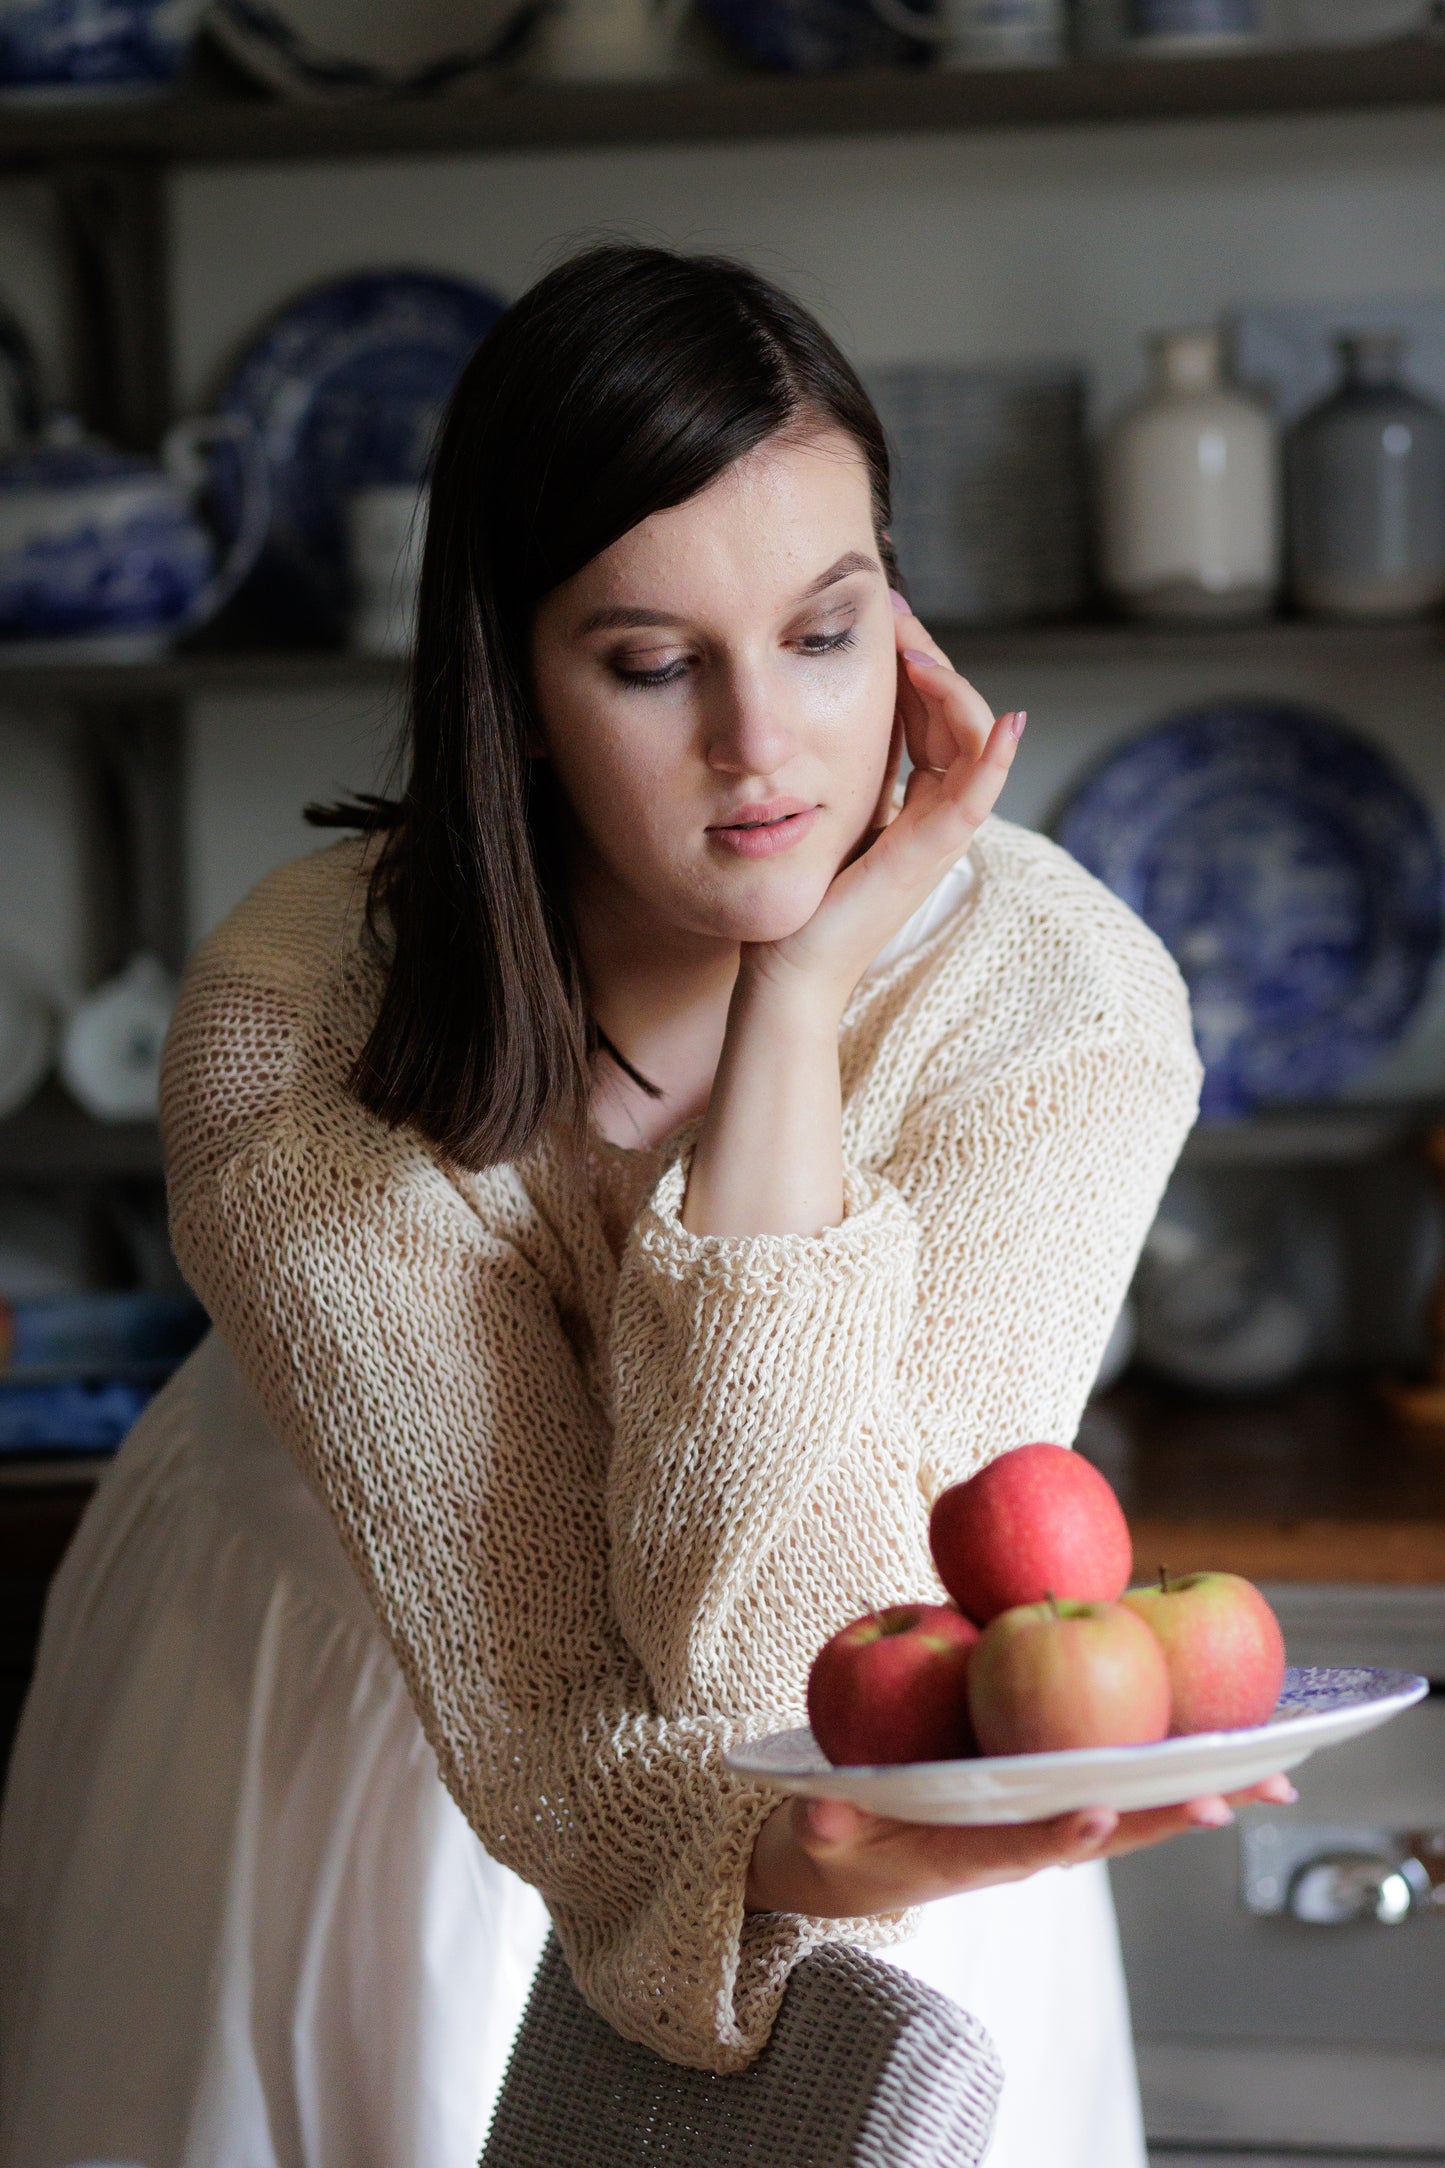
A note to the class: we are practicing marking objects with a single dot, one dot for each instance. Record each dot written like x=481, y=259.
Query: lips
x=772, y=824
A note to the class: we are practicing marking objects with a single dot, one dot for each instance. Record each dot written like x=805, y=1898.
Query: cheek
x=856, y=710
x=617, y=770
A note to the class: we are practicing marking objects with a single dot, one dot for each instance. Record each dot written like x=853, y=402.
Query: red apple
x=1034, y=1521
x=1059, y=1674
x=893, y=1687
x=1223, y=1647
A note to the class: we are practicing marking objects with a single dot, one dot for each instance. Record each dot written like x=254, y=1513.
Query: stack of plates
x=989, y=489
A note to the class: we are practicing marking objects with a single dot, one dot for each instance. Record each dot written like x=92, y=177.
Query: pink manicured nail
x=1098, y=1826
x=1279, y=1792
x=1211, y=1814
x=900, y=603
x=916, y=655
x=1017, y=720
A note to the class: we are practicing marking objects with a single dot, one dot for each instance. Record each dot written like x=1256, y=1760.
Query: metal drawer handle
x=1339, y=1889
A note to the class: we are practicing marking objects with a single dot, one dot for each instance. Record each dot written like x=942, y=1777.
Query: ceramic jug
x=1366, y=475
x=600, y=41
x=104, y=554
x=1189, y=491
x=984, y=33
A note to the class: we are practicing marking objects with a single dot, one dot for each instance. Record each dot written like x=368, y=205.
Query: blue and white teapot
x=104, y=555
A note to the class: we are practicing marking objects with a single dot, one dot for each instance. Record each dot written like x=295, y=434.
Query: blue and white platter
x=345, y=388
x=1293, y=874
x=1318, y=1708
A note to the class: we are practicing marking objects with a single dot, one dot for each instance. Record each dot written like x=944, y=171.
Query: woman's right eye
x=665, y=674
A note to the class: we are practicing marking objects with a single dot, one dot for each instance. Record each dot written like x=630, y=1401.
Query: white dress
x=242, y=1925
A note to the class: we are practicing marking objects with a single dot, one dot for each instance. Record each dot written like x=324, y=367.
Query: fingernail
x=900, y=602
x=1098, y=1825
x=1211, y=1814
x=916, y=655
x=1017, y=720
x=1281, y=1793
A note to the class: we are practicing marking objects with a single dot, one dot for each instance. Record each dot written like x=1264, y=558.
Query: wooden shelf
x=1313, y=1483
x=204, y=123
x=1084, y=644
x=52, y=1141
x=1340, y=1133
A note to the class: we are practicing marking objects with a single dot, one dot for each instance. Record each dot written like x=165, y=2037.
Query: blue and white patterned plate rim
x=1312, y=1695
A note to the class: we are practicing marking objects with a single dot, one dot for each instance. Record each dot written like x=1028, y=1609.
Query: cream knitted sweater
x=609, y=1485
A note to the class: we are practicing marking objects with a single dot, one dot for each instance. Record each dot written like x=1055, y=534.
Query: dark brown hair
x=622, y=383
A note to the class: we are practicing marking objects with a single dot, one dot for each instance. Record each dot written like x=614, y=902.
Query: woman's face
x=716, y=694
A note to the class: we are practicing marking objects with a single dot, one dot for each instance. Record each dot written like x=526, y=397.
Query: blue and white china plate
x=345, y=388
x=1317, y=1708
x=1293, y=874
x=367, y=48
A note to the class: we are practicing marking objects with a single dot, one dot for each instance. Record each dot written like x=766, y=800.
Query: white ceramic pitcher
x=984, y=33
x=599, y=41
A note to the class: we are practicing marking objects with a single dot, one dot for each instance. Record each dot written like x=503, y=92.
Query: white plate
x=1318, y=1708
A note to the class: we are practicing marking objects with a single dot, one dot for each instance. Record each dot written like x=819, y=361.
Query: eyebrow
x=621, y=616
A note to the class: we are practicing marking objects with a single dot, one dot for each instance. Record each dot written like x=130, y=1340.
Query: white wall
x=1071, y=242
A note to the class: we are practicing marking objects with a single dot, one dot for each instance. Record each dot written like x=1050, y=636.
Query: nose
x=748, y=729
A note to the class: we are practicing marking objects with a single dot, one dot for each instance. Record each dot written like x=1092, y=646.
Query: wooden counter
x=1313, y=1484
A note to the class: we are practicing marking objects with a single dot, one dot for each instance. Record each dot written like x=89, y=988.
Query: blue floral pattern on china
x=1311, y=1688
x=93, y=44
x=345, y=388
x=1293, y=874
x=142, y=572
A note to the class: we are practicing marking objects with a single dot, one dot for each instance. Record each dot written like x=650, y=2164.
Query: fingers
x=942, y=714
x=946, y=811
x=1274, y=1792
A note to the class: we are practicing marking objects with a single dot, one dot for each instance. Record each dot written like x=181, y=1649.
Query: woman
x=628, y=1184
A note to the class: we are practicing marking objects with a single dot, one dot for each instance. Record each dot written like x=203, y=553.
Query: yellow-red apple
x=893, y=1686
x=1036, y=1521
x=1222, y=1646
x=1057, y=1674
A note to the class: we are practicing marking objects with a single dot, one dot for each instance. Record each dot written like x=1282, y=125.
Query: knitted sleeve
x=787, y=1406
x=415, y=1366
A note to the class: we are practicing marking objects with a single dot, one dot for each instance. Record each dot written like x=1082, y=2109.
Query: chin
x=773, y=909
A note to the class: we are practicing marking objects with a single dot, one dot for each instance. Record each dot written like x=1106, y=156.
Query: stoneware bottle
x=1189, y=491
x=1366, y=479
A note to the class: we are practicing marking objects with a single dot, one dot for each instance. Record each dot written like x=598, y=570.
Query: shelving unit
x=218, y=117
x=107, y=165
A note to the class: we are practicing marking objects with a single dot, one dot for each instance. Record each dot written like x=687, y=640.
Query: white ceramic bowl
x=359, y=48
x=110, y=1055
x=1318, y=1708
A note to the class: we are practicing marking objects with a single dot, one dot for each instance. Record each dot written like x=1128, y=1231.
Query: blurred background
x=1151, y=294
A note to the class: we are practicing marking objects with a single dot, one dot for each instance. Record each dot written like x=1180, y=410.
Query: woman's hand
x=769, y=1156
x=961, y=758
x=834, y=1861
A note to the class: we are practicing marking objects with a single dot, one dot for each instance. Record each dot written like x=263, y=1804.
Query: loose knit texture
x=608, y=1498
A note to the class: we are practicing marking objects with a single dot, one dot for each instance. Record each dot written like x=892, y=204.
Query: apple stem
x=1052, y=1601
x=1163, y=1580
